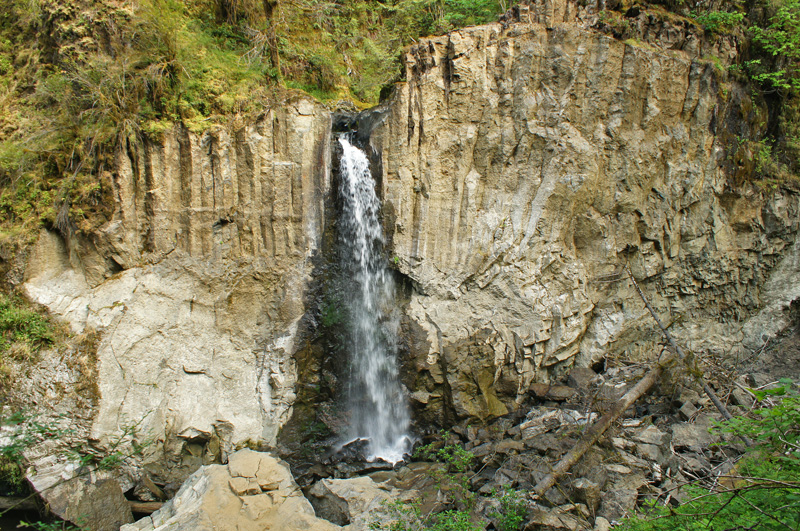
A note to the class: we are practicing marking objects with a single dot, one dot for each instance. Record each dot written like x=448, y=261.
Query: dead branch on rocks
x=145, y=507
x=17, y=504
x=682, y=356
x=593, y=434
x=678, y=350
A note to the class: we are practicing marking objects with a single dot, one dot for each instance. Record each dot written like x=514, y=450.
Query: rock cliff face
x=524, y=164
x=196, y=285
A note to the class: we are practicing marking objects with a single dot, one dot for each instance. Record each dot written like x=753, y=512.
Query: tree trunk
x=598, y=428
x=271, y=12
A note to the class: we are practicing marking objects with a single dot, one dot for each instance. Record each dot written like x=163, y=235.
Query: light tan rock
x=525, y=163
x=355, y=503
x=206, y=501
x=196, y=285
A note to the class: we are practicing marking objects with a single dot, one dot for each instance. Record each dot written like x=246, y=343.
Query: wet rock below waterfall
x=639, y=458
x=355, y=502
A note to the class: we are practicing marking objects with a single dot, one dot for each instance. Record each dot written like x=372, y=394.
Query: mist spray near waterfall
x=378, y=410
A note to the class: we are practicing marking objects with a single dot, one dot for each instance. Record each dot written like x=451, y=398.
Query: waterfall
x=378, y=410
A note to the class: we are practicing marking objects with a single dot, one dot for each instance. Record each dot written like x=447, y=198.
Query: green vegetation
x=512, y=511
x=407, y=516
x=22, y=332
x=21, y=431
x=762, y=492
x=26, y=431
x=452, y=478
x=122, y=446
x=79, y=78
x=719, y=21
x=22, y=325
x=780, y=41
x=455, y=513
x=51, y=526
x=769, y=38
x=616, y=24
x=775, y=66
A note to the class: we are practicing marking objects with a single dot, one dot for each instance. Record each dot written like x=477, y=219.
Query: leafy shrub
x=20, y=325
x=620, y=26
x=781, y=42
x=453, y=456
x=512, y=512
x=452, y=481
x=762, y=492
x=12, y=482
x=461, y=13
x=718, y=21
x=406, y=516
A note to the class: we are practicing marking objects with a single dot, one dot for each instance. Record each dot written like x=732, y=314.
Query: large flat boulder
x=254, y=491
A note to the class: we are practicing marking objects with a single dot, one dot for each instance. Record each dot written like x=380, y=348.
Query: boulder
x=355, y=502
x=692, y=436
x=93, y=498
x=101, y=507
x=652, y=435
x=543, y=519
x=601, y=524
x=617, y=503
x=581, y=378
x=557, y=393
x=651, y=452
x=254, y=491
x=587, y=492
x=509, y=446
x=687, y=411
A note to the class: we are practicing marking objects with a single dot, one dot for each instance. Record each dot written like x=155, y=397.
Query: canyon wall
x=524, y=165
x=197, y=284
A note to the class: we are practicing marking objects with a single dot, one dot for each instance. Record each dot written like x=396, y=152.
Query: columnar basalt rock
x=525, y=163
x=196, y=286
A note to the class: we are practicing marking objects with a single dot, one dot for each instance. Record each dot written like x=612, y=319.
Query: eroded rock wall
x=526, y=163
x=196, y=286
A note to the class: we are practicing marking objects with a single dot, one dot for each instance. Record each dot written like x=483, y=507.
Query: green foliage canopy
x=781, y=40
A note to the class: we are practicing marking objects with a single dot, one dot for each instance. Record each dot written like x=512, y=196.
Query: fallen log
x=598, y=428
x=144, y=507
x=17, y=504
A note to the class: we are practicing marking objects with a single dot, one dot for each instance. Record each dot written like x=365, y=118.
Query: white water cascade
x=377, y=405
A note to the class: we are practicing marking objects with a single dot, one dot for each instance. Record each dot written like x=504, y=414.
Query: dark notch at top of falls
x=359, y=125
